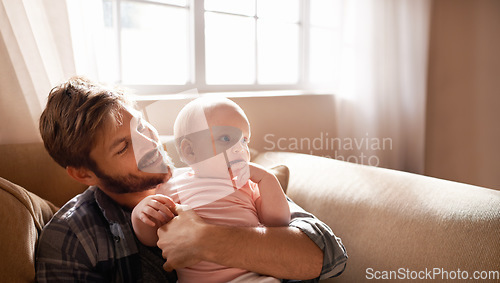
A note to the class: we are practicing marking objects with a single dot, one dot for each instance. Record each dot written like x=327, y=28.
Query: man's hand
x=181, y=239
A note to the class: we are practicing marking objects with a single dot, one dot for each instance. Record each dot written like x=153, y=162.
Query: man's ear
x=186, y=151
x=82, y=175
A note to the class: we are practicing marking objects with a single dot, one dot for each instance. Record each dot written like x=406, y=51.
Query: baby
x=212, y=136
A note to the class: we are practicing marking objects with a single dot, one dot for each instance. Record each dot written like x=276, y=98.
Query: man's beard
x=130, y=183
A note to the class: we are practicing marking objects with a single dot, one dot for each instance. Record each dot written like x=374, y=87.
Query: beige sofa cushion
x=389, y=219
x=22, y=217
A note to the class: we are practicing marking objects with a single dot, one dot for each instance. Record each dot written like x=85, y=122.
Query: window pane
x=106, y=55
x=94, y=39
x=173, y=2
x=242, y=7
x=229, y=49
x=325, y=13
x=322, y=51
x=283, y=10
x=278, y=53
x=155, y=45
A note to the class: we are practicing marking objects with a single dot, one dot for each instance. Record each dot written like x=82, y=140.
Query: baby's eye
x=225, y=138
x=245, y=140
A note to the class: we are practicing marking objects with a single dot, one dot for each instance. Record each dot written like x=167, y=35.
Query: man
x=86, y=129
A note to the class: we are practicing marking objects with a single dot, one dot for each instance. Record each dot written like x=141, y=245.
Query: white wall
x=16, y=126
x=463, y=102
x=277, y=122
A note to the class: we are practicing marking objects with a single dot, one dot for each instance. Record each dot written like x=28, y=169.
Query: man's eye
x=225, y=138
x=123, y=149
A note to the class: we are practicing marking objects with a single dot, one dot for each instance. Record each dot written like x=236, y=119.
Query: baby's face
x=229, y=137
x=231, y=131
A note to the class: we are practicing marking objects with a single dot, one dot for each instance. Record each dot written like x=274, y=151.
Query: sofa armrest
x=395, y=221
x=23, y=215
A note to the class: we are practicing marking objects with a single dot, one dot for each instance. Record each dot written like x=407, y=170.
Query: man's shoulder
x=78, y=205
x=75, y=212
x=72, y=235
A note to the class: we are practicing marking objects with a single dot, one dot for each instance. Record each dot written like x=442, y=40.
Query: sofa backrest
x=28, y=178
x=30, y=166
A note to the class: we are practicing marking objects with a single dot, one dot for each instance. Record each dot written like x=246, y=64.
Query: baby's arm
x=149, y=215
x=272, y=206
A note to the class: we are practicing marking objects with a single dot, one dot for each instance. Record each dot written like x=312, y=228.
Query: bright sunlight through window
x=161, y=46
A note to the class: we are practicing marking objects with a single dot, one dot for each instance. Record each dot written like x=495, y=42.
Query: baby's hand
x=257, y=172
x=155, y=210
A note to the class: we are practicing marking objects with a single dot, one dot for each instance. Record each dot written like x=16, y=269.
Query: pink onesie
x=217, y=202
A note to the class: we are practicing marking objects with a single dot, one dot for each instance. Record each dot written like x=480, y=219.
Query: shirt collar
x=119, y=224
x=111, y=210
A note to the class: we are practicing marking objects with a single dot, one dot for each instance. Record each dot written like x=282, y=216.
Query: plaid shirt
x=90, y=239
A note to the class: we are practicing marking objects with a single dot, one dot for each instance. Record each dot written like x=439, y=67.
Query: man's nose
x=149, y=135
x=144, y=141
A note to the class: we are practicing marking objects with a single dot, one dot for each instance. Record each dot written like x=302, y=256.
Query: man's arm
x=306, y=249
x=334, y=252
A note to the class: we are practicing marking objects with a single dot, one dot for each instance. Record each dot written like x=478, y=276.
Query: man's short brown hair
x=76, y=112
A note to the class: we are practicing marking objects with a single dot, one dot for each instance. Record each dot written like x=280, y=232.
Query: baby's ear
x=186, y=151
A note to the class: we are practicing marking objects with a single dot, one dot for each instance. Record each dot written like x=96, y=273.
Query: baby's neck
x=201, y=174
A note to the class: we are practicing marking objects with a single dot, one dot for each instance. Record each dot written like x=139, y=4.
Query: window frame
x=197, y=79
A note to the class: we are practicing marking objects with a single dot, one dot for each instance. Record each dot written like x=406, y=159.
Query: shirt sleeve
x=334, y=253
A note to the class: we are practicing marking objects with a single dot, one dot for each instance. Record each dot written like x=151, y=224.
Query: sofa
x=393, y=224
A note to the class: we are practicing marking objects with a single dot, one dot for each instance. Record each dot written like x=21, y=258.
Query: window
x=166, y=46
x=256, y=42
x=324, y=43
